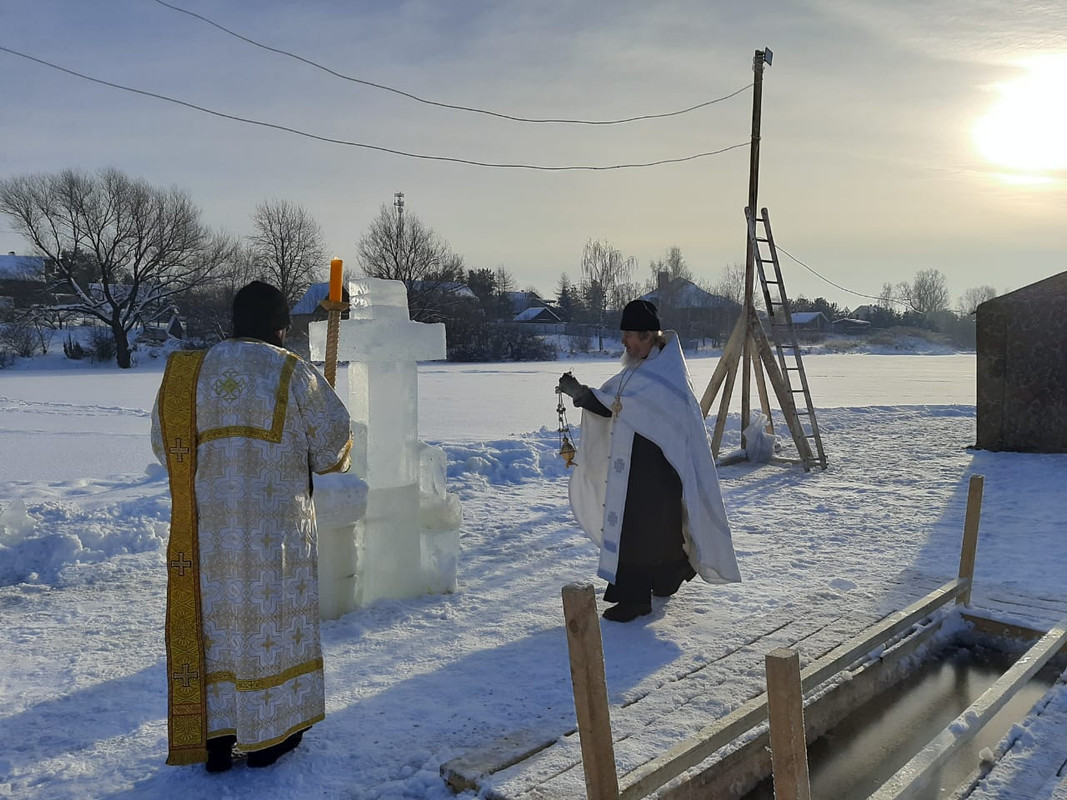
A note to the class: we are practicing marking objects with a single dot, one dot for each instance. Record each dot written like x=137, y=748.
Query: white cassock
x=265, y=419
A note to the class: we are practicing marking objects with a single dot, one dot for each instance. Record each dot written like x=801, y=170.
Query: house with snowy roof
x=24, y=280
x=814, y=321
x=693, y=312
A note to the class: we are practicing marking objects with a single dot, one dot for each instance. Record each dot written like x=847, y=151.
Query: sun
x=1026, y=129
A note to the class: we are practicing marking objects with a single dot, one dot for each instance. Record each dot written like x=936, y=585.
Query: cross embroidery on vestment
x=181, y=563
x=186, y=675
x=179, y=450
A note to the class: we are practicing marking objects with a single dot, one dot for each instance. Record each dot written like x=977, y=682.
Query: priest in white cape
x=241, y=428
x=645, y=487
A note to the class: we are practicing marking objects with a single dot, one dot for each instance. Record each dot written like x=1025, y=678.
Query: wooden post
x=970, y=535
x=590, y=691
x=785, y=706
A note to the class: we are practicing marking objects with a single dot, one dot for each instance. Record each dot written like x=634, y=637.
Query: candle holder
x=334, y=309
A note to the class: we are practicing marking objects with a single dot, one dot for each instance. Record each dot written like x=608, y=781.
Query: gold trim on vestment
x=186, y=673
x=300, y=726
x=277, y=427
x=268, y=682
x=340, y=465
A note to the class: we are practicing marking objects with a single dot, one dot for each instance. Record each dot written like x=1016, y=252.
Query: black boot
x=268, y=755
x=624, y=612
x=220, y=753
x=666, y=588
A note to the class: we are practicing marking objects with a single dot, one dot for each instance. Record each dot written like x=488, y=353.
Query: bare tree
x=287, y=247
x=120, y=246
x=928, y=291
x=887, y=297
x=398, y=246
x=672, y=264
x=207, y=306
x=606, y=278
x=732, y=283
x=974, y=297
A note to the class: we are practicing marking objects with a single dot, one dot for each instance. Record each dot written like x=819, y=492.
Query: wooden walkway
x=551, y=769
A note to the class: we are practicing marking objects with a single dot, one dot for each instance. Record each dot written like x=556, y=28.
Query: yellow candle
x=335, y=280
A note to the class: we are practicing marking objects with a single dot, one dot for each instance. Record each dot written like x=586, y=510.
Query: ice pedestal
x=407, y=542
x=340, y=502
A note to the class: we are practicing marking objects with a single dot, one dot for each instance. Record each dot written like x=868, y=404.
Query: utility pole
x=398, y=204
x=761, y=58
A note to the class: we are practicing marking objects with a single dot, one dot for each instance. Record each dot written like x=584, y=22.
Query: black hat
x=639, y=315
x=259, y=312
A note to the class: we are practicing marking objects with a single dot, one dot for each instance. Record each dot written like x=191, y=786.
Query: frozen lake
x=491, y=401
x=457, y=402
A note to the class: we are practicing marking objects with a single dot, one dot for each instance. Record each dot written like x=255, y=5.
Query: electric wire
x=379, y=148
x=471, y=109
x=835, y=285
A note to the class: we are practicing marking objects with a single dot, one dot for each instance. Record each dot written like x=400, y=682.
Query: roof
x=1050, y=290
x=537, y=314
x=686, y=294
x=21, y=267
x=309, y=303
x=804, y=317
x=448, y=287
x=521, y=301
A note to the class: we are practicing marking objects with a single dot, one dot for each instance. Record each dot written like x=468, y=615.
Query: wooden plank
x=466, y=772
x=913, y=776
x=590, y=691
x=688, y=754
x=970, y=534
x=1004, y=630
x=785, y=710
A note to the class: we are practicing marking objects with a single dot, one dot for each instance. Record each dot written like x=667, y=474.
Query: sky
x=869, y=163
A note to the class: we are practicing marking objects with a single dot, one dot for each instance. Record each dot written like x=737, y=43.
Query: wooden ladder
x=784, y=335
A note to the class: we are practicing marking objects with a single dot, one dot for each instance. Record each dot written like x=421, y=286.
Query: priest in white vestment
x=241, y=428
x=645, y=488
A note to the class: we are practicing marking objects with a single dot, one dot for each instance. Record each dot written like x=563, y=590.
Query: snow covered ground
x=414, y=683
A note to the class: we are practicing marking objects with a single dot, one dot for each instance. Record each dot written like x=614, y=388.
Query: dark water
x=852, y=760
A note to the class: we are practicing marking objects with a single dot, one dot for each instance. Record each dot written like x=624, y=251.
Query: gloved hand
x=569, y=385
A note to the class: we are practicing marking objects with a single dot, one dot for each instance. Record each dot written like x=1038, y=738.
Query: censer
x=567, y=450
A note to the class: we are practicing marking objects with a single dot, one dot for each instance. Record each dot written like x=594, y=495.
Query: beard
x=628, y=360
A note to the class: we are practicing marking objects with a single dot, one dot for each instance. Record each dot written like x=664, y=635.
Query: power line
x=366, y=146
x=835, y=285
x=411, y=96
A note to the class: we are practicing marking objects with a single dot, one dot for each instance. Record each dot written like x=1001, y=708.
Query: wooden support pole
x=785, y=707
x=729, y=357
x=590, y=691
x=781, y=390
x=724, y=407
x=970, y=536
x=759, y=60
x=761, y=387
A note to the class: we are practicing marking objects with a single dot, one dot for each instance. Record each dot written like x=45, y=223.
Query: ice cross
x=382, y=347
